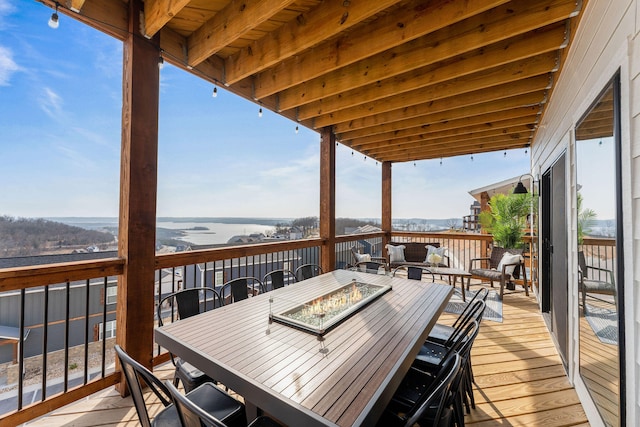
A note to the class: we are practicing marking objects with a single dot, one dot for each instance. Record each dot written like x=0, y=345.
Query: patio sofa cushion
x=414, y=253
x=396, y=253
x=441, y=252
x=509, y=258
x=362, y=257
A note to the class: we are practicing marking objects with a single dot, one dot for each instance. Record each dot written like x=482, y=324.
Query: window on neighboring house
x=112, y=294
x=109, y=330
x=218, y=278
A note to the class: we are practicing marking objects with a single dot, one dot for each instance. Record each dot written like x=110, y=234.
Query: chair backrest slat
x=191, y=415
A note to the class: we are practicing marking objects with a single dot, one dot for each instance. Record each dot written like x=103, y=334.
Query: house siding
x=606, y=41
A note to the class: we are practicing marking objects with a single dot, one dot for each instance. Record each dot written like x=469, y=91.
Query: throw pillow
x=441, y=252
x=508, y=258
x=363, y=257
x=396, y=253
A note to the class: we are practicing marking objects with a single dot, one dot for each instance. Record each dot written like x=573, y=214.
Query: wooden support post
x=138, y=190
x=386, y=204
x=328, y=198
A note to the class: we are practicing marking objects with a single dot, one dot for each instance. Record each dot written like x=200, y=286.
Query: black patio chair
x=307, y=271
x=424, y=399
x=441, y=333
x=371, y=266
x=278, y=279
x=181, y=305
x=432, y=356
x=212, y=400
x=240, y=288
x=192, y=415
x=414, y=272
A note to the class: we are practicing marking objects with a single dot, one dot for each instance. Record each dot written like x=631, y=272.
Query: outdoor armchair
x=499, y=267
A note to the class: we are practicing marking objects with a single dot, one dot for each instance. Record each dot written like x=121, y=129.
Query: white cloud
x=7, y=65
x=51, y=103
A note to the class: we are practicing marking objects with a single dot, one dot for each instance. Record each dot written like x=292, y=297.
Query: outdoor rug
x=492, y=312
x=604, y=323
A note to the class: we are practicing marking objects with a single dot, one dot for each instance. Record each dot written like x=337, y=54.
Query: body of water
x=216, y=232
x=199, y=231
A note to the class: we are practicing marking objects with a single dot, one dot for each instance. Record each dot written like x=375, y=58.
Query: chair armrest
x=477, y=259
x=606, y=270
x=520, y=263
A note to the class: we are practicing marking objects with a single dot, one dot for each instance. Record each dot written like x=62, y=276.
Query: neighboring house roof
x=366, y=229
x=502, y=187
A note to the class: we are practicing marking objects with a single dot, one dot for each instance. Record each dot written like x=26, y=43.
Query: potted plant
x=506, y=219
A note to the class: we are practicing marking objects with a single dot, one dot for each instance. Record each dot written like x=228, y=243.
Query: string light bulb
x=53, y=21
x=472, y=157
x=160, y=63
x=297, y=132
x=215, y=92
x=505, y=154
x=351, y=153
x=440, y=161
x=260, y=112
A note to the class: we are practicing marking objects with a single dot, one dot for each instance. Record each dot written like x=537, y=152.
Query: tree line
x=32, y=236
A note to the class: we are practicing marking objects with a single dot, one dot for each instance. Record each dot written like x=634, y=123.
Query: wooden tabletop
x=345, y=380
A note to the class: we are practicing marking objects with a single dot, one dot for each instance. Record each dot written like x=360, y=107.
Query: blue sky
x=60, y=121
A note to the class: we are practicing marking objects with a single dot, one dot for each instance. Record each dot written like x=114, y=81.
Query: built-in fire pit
x=322, y=313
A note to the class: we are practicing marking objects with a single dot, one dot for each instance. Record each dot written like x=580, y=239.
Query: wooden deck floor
x=520, y=379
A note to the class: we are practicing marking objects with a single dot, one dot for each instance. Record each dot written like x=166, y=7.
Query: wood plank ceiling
x=397, y=80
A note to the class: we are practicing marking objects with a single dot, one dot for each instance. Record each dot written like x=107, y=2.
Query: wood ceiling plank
x=532, y=84
x=529, y=100
x=387, y=33
x=490, y=27
x=523, y=51
x=507, y=143
x=158, y=12
x=231, y=23
x=76, y=5
x=418, y=133
x=498, y=76
x=471, y=138
x=309, y=29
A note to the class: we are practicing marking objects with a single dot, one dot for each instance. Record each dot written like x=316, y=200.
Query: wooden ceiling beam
x=472, y=138
x=309, y=29
x=417, y=134
x=158, y=12
x=486, y=28
x=529, y=100
x=513, y=56
x=387, y=34
x=496, y=77
x=451, y=150
x=532, y=84
x=231, y=23
x=174, y=45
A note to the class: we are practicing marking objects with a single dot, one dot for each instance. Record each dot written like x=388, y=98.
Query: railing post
x=138, y=189
x=328, y=199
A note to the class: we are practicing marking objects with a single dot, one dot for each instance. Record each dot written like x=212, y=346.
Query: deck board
x=519, y=377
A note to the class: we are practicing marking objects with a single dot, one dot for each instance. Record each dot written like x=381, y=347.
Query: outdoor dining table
x=344, y=377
